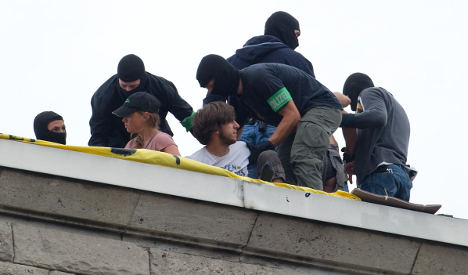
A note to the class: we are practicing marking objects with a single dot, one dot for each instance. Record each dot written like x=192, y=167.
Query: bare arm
x=343, y=99
x=350, y=136
x=172, y=149
x=287, y=124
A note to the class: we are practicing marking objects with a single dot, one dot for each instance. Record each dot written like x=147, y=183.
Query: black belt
x=383, y=169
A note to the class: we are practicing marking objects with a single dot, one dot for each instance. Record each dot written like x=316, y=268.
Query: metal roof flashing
x=231, y=191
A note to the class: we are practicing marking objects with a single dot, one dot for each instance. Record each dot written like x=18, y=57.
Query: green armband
x=279, y=99
x=187, y=122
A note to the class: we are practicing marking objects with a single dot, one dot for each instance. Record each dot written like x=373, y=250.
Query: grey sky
x=55, y=54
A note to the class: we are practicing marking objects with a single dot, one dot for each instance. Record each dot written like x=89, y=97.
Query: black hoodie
x=269, y=49
x=265, y=49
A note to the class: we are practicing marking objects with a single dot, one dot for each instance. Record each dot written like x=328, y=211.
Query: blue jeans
x=252, y=135
x=394, y=182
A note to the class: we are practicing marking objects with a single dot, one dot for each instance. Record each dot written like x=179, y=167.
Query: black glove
x=347, y=157
x=256, y=150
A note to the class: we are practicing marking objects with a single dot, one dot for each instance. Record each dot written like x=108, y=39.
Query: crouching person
x=215, y=127
x=140, y=116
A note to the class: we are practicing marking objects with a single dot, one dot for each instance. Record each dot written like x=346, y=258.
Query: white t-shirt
x=235, y=161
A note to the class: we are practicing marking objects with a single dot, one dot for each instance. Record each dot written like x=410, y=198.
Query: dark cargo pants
x=303, y=151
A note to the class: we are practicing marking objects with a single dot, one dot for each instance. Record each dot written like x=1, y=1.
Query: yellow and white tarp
x=160, y=158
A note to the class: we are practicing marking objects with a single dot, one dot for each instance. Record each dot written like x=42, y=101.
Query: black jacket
x=108, y=129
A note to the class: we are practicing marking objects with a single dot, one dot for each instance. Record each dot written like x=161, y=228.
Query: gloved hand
x=256, y=150
x=346, y=156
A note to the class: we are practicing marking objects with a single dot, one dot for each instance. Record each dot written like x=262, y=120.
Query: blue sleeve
x=372, y=112
x=300, y=62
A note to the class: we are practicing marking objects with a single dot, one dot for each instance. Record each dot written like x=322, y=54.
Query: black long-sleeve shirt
x=108, y=129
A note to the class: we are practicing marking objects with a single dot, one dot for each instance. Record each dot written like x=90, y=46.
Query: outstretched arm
x=372, y=112
x=179, y=107
x=343, y=99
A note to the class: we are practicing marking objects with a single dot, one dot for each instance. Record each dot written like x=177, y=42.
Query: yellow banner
x=161, y=158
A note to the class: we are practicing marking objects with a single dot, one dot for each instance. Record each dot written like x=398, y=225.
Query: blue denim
x=345, y=187
x=395, y=182
x=253, y=136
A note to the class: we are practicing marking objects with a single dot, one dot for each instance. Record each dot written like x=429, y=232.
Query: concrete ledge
x=441, y=259
x=75, y=252
x=6, y=242
x=170, y=262
x=325, y=243
x=228, y=191
x=250, y=225
x=7, y=268
x=71, y=198
x=313, y=244
x=190, y=219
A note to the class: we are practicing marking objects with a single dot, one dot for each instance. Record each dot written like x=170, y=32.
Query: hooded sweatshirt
x=269, y=49
x=264, y=49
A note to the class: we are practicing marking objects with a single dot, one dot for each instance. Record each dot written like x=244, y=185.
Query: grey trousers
x=303, y=151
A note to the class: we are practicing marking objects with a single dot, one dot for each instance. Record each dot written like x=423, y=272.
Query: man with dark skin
x=377, y=138
x=305, y=112
x=131, y=77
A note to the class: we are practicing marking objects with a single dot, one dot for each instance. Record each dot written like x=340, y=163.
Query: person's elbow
x=295, y=117
x=380, y=120
x=290, y=114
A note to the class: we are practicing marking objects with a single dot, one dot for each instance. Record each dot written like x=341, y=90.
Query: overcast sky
x=55, y=54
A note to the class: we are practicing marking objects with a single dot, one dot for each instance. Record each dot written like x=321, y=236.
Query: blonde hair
x=152, y=122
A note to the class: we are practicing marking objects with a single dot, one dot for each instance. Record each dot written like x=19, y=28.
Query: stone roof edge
x=234, y=192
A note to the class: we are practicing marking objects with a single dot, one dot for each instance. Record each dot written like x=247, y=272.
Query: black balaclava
x=354, y=85
x=282, y=25
x=225, y=76
x=41, y=122
x=132, y=68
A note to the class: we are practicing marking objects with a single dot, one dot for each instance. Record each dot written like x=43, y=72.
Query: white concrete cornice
x=230, y=191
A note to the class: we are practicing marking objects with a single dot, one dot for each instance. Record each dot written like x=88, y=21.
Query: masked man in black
x=107, y=129
x=51, y=127
x=305, y=112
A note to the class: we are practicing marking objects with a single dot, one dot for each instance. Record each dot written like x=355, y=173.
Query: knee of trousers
x=308, y=154
x=268, y=157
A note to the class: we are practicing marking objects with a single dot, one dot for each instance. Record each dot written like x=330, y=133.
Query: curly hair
x=209, y=119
